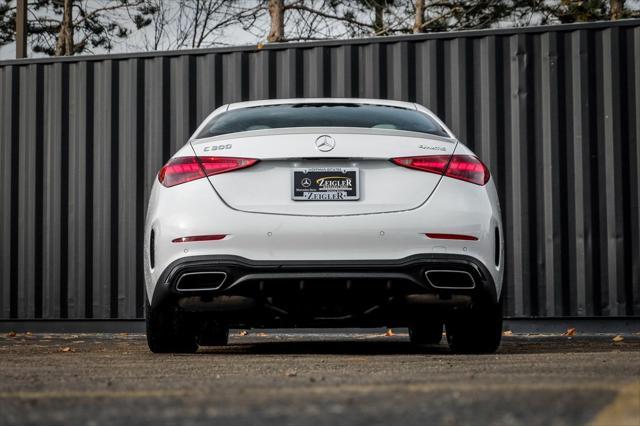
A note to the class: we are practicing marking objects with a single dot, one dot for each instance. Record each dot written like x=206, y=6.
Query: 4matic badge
x=433, y=148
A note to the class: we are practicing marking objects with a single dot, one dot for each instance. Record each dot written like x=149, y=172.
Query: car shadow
x=327, y=347
x=383, y=346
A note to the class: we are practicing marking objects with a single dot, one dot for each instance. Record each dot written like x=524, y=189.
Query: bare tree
x=67, y=27
x=194, y=23
x=379, y=7
x=387, y=17
x=348, y=18
x=156, y=32
x=302, y=19
x=418, y=24
x=617, y=8
x=64, y=44
x=276, y=14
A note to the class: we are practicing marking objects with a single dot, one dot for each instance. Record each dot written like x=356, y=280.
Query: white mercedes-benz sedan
x=323, y=213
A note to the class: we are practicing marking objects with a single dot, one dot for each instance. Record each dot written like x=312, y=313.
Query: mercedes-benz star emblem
x=325, y=143
x=306, y=182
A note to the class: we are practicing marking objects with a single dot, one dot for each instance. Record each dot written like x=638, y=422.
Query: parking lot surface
x=332, y=378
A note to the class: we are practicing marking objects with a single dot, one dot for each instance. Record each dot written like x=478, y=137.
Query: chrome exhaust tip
x=445, y=279
x=201, y=281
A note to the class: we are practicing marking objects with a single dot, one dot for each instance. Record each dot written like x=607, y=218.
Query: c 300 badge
x=217, y=147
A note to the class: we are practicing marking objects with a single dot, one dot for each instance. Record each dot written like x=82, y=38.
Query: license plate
x=325, y=184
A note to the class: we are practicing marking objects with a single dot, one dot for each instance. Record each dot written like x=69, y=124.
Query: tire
x=212, y=334
x=477, y=330
x=428, y=333
x=168, y=331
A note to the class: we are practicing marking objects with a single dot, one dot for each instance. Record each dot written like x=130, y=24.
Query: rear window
x=321, y=115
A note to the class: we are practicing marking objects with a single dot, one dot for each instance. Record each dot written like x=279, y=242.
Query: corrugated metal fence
x=553, y=111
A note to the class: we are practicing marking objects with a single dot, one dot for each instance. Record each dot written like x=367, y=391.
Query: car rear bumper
x=245, y=292
x=455, y=208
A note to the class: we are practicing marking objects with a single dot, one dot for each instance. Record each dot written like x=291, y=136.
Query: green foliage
x=7, y=22
x=94, y=25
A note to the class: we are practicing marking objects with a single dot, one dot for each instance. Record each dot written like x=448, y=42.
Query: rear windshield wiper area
x=321, y=115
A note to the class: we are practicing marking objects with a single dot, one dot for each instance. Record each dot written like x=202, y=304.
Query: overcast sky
x=234, y=36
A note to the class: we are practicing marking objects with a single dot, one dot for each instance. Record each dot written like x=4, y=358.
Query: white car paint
x=253, y=207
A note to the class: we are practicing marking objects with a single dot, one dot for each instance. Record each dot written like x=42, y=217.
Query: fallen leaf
x=292, y=373
x=260, y=46
x=618, y=338
x=262, y=334
x=66, y=349
x=28, y=333
x=507, y=333
x=570, y=332
x=243, y=333
x=389, y=332
x=11, y=334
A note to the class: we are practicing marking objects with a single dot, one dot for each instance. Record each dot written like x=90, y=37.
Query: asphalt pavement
x=337, y=378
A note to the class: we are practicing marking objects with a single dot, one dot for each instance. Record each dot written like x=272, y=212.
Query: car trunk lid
x=267, y=187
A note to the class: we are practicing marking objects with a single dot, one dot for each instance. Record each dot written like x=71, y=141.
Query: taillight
x=185, y=169
x=434, y=163
x=469, y=168
x=180, y=170
x=464, y=167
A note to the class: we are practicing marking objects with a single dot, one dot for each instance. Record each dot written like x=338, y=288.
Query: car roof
x=249, y=104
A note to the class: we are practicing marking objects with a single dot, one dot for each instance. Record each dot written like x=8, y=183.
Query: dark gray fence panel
x=633, y=106
x=79, y=216
x=553, y=111
x=7, y=148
